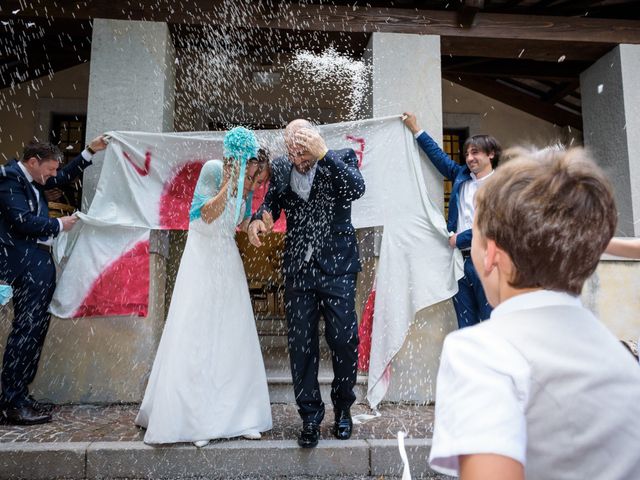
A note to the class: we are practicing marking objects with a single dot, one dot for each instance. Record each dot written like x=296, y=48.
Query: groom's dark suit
x=27, y=265
x=320, y=266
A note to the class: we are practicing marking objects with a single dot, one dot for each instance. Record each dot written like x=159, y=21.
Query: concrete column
x=611, y=122
x=406, y=76
x=131, y=87
x=131, y=84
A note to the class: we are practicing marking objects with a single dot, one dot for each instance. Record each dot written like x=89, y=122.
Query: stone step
x=273, y=333
x=221, y=459
x=281, y=388
x=271, y=326
x=273, y=342
x=276, y=363
x=268, y=342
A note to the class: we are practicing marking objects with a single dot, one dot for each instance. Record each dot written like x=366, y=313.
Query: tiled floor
x=88, y=423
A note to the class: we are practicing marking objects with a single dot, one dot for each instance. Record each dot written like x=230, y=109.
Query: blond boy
x=542, y=390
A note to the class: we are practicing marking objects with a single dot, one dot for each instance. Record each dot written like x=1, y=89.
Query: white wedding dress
x=208, y=379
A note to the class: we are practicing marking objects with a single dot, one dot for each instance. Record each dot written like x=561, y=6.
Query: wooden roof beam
x=581, y=7
x=343, y=18
x=557, y=93
x=464, y=62
x=539, y=94
x=546, y=51
x=543, y=3
x=519, y=100
x=576, y=108
x=533, y=91
x=467, y=12
x=512, y=3
x=563, y=71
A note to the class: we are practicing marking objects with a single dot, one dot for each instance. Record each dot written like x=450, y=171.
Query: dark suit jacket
x=22, y=218
x=324, y=221
x=455, y=172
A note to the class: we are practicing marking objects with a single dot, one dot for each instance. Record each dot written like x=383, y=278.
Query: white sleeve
x=481, y=394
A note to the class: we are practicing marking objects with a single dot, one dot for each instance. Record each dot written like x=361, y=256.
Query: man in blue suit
x=26, y=237
x=315, y=187
x=482, y=153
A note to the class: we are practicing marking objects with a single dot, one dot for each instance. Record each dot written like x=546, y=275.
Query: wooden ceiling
x=526, y=53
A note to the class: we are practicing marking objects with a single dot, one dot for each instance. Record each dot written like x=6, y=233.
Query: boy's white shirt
x=482, y=389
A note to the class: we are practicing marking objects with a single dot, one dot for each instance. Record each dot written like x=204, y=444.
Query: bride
x=208, y=379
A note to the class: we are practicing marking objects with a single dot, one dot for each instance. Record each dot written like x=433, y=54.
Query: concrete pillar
x=406, y=77
x=611, y=122
x=131, y=84
x=131, y=87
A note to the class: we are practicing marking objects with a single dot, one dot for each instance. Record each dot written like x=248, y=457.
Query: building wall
x=612, y=294
x=25, y=109
x=72, y=366
x=21, y=115
x=24, y=113
x=509, y=125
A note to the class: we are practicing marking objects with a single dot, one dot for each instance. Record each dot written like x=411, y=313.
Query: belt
x=466, y=253
x=44, y=247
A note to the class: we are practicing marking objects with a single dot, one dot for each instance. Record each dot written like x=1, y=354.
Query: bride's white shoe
x=201, y=443
x=252, y=436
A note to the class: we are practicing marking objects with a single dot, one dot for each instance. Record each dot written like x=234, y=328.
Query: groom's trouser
x=308, y=294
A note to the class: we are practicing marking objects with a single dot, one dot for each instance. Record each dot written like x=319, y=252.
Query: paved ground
x=113, y=423
x=310, y=477
x=93, y=442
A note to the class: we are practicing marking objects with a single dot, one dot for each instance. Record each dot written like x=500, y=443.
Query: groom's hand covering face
x=299, y=155
x=301, y=159
x=312, y=142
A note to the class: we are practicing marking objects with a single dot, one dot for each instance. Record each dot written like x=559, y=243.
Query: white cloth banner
x=147, y=182
x=105, y=271
x=416, y=268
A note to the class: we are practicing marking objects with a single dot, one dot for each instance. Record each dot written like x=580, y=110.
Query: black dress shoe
x=309, y=435
x=25, y=415
x=39, y=407
x=343, y=425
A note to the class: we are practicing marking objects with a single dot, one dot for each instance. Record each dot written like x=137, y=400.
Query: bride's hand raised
x=230, y=171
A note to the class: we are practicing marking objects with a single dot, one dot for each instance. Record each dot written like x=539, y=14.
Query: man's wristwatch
x=90, y=150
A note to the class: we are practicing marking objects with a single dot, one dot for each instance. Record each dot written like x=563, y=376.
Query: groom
x=315, y=187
